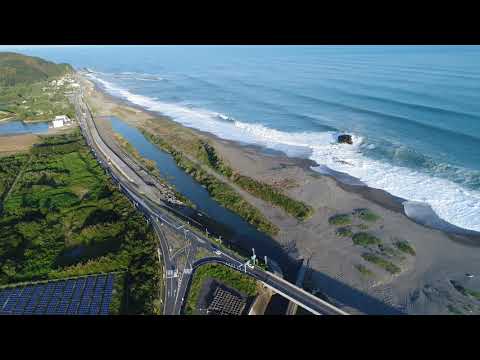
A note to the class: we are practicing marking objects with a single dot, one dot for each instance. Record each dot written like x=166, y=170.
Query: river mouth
x=235, y=231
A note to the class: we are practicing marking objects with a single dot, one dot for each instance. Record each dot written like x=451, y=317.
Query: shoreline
x=378, y=196
x=333, y=261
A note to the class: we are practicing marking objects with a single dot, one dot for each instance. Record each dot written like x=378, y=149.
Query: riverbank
x=338, y=264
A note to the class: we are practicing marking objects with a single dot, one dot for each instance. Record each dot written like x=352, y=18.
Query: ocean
x=413, y=111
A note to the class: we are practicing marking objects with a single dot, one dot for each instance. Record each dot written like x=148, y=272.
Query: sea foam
x=450, y=202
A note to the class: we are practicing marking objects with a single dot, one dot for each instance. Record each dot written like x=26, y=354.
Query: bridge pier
x=292, y=307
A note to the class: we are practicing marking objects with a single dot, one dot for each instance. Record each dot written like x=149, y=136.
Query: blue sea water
x=414, y=111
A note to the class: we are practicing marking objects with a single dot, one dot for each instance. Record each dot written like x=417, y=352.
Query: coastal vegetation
x=365, y=239
x=404, y=246
x=385, y=264
x=266, y=192
x=340, y=220
x=362, y=269
x=64, y=218
x=220, y=191
x=344, y=232
x=222, y=273
x=367, y=215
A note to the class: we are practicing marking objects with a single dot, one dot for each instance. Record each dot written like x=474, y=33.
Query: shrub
x=344, y=232
x=363, y=270
x=365, y=239
x=340, y=220
x=367, y=215
x=404, y=246
x=377, y=260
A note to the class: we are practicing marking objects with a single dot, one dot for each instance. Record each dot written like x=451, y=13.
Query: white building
x=61, y=120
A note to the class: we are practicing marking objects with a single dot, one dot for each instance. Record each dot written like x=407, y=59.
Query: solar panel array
x=90, y=295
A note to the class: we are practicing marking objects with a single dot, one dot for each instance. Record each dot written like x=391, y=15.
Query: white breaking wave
x=450, y=201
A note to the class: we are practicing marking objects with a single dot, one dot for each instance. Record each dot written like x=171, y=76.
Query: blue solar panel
x=37, y=292
x=12, y=299
x=56, y=298
x=90, y=295
x=72, y=309
x=4, y=296
x=94, y=308
x=23, y=300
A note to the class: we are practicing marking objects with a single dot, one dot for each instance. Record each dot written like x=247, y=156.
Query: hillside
x=17, y=69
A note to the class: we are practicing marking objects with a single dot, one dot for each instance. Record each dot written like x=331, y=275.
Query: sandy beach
x=423, y=284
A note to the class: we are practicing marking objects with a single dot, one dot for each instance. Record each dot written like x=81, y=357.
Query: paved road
x=139, y=193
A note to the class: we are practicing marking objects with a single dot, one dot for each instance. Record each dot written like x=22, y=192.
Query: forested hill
x=17, y=68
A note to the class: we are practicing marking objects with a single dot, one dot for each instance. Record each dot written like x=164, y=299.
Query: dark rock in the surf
x=345, y=139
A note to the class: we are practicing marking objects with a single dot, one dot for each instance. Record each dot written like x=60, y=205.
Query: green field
x=224, y=274
x=65, y=218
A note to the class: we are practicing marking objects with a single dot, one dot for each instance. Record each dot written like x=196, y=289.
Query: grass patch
x=362, y=269
x=367, y=215
x=340, y=220
x=365, y=239
x=405, y=247
x=385, y=264
x=224, y=274
x=344, y=232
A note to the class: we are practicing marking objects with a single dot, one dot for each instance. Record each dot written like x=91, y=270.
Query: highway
x=177, y=280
